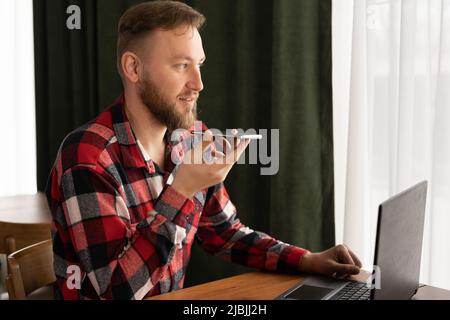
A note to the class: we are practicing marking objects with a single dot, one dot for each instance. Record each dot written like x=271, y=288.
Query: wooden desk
x=25, y=209
x=264, y=286
x=247, y=286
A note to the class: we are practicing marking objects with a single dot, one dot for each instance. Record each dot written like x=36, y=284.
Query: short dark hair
x=140, y=20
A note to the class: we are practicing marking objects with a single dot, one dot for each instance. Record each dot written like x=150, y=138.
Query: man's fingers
x=344, y=256
x=218, y=157
x=216, y=153
x=207, y=139
x=345, y=263
x=239, y=148
x=196, y=154
x=338, y=275
x=225, y=144
x=354, y=257
x=243, y=143
x=344, y=269
x=231, y=151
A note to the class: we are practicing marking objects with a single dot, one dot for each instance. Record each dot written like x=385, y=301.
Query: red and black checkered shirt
x=117, y=219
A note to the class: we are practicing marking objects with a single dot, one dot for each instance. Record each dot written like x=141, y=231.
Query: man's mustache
x=189, y=95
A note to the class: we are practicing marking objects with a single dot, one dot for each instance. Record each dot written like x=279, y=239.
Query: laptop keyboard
x=353, y=291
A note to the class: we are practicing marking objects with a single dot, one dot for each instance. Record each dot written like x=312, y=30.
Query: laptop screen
x=399, y=243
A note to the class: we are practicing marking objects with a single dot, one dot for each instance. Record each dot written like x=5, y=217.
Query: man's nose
x=195, y=80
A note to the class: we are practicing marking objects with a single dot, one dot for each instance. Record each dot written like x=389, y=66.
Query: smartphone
x=238, y=136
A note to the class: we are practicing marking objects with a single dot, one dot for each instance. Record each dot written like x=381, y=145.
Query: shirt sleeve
x=221, y=233
x=121, y=260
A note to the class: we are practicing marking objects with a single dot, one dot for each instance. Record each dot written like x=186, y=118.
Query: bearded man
x=126, y=204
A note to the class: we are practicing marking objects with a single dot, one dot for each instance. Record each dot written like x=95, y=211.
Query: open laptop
x=398, y=251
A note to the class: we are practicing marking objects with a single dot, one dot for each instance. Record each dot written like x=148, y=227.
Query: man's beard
x=164, y=111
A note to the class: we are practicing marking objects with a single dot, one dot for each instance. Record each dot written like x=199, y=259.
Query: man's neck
x=148, y=130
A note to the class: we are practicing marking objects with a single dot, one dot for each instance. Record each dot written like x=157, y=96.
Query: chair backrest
x=29, y=269
x=15, y=236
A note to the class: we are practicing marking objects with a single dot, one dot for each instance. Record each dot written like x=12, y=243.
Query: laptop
x=398, y=251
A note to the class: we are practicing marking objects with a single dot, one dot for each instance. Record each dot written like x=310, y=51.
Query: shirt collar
x=132, y=156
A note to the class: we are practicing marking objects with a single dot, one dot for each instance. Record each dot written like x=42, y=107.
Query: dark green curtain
x=268, y=67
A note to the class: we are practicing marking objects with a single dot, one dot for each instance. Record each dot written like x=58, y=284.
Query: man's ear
x=131, y=66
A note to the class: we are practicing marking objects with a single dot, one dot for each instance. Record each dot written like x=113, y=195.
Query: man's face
x=170, y=82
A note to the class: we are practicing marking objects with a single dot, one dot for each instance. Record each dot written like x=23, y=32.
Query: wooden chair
x=15, y=236
x=29, y=269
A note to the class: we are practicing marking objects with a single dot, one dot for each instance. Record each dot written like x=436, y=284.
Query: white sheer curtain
x=397, y=114
x=18, y=155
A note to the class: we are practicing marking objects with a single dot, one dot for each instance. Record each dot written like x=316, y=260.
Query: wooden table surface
x=248, y=286
x=25, y=209
x=265, y=286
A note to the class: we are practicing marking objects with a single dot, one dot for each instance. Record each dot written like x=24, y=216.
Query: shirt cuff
x=292, y=257
x=173, y=205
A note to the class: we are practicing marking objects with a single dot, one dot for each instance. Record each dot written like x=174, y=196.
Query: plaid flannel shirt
x=118, y=221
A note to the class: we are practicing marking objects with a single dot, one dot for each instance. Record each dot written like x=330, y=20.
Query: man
x=125, y=209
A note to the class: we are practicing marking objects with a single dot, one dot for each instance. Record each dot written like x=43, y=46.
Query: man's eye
x=182, y=66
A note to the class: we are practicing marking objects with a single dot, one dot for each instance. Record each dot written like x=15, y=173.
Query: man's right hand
x=195, y=174
x=338, y=262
